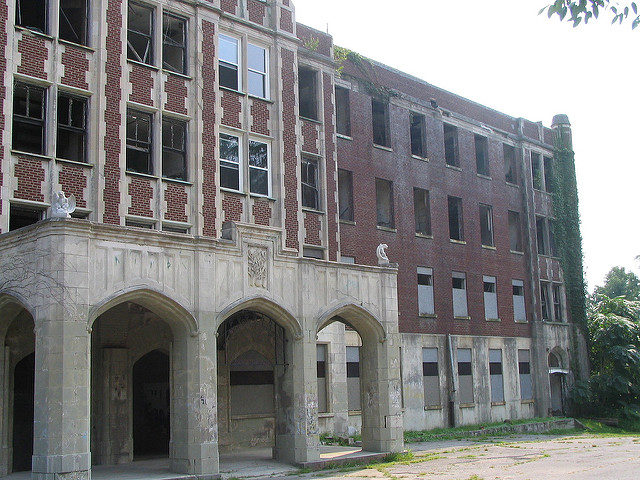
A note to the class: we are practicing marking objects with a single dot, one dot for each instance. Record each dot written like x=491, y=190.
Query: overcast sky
x=502, y=54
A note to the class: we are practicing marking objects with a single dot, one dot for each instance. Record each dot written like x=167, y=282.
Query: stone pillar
x=5, y=440
x=61, y=420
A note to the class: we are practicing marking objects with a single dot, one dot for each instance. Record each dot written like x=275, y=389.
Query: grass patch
x=599, y=428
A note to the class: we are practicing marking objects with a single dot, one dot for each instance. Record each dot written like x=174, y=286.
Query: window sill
x=382, y=147
x=427, y=315
x=549, y=322
x=143, y=175
x=229, y=89
x=453, y=167
x=34, y=32
x=355, y=412
x=312, y=210
x=262, y=99
x=138, y=219
x=527, y=402
x=457, y=242
x=177, y=180
x=432, y=407
x=263, y=197
x=347, y=222
x=344, y=137
x=467, y=405
x=462, y=318
x=481, y=175
x=541, y=191
x=422, y=159
x=523, y=322
x=515, y=185
x=146, y=65
x=312, y=120
x=515, y=252
x=177, y=74
x=29, y=203
x=74, y=162
x=551, y=257
x=29, y=154
x=252, y=416
x=325, y=415
x=77, y=45
x=498, y=404
x=493, y=319
x=387, y=229
x=174, y=224
x=424, y=235
x=231, y=190
x=489, y=247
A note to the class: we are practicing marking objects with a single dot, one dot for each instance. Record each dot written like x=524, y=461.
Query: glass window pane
x=228, y=76
x=229, y=176
x=256, y=58
x=256, y=84
x=229, y=148
x=259, y=181
x=228, y=49
x=258, y=154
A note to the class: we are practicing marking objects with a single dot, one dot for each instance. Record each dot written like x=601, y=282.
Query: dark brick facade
x=176, y=197
x=209, y=163
x=33, y=55
x=142, y=83
x=4, y=17
x=175, y=88
x=30, y=174
x=73, y=180
x=76, y=67
x=141, y=194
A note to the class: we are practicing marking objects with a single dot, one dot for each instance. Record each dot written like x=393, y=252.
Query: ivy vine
x=369, y=78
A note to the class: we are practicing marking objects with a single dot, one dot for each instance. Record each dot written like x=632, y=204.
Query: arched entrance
x=556, y=383
x=23, y=389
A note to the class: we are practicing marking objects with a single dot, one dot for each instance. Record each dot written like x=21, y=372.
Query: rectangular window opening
x=558, y=310
x=384, y=203
x=32, y=14
x=510, y=166
x=259, y=168
x=380, y=122
x=343, y=112
x=257, y=62
x=482, y=155
x=422, y=211
x=456, y=230
x=29, y=118
x=230, y=171
x=308, y=93
x=544, y=300
x=451, y=145
x=486, y=225
x=524, y=371
x=465, y=376
x=490, y=298
x=139, y=146
x=310, y=186
x=140, y=33
x=541, y=236
x=417, y=132
x=321, y=367
x=548, y=174
x=72, y=128
x=174, y=149
x=537, y=171
x=430, y=377
x=515, y=232
x=228, y=62
x=73, y=21
x=425, y=291
x=459, y=292
x=345, y=195
x=495, y=372
x=174, y=43
x=353, y=378
x=23, y=216
x=519, y=314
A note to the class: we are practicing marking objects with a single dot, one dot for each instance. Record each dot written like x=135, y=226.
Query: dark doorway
x=151, y=406
x=23, y=385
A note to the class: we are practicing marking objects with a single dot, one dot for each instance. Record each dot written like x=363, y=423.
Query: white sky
x=502, y=54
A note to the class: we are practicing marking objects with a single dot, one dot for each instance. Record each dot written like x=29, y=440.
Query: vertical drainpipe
x=453, y=386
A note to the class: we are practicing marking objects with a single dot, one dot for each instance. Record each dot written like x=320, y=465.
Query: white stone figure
x=382, y=255
x=63, y=207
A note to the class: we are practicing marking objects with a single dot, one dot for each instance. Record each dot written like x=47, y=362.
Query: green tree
x=619, y=283
x=581, y=11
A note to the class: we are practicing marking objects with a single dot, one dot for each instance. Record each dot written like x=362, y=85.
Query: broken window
x=139, y=142
x=482, y=155
x=465, y=376
x=558, y=311
x=140, y=33
x=490, y=298
x=310, y=193
x=422, y=211
x=456, y=230
x=515, y=232
x=384, y=203
x=544, y=300
x=257, y=62
x=174, y=149
x=72, y=127
x=536, y=171
x=548, y=174
x=519, y=314
x=73, y=21
x=343, y=112
x=321, y=368
x=174, y=43
x=259, y=164
x=451, y=145
x=380, y=122
x=417, y=132
x=230, y=171
x=353, y=378
x=495, y=373
x=29, y=118
x=228, y=62
x=486, y=225
x=524, y=370
x=32, y=14
x=22, y=216
x=345, y=195
x=510, y=166
x=425, y=291
x=459, y=291
x=541, y=236
x=430, y=377
x=308, y=93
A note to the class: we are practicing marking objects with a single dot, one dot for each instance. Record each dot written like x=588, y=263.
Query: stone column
x=5, y=441
x=61, y=420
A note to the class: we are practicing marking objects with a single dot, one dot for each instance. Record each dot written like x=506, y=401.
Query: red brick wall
x=312, y=226
x=332, y=185
x=231, y=108
x=209, y=167
x=310, y=136
x=33, y=55
x=262, y=212
x=232, y=207
x=141, y=79
x=289, y=151
x=176, y=90
x=257, y=11
x=176, y=197
x=229, y=6
x=76, y=67
x=141, y=192
x=307, y=34
x=30, y=174
x=4, y=17
x=73, y=180
x=260, y=116
x=112, y=115
x=286, y=20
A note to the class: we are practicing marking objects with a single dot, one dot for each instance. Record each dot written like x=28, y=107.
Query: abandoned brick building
x=218, y=285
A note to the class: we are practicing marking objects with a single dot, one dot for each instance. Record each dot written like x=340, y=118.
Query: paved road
x=581, y=457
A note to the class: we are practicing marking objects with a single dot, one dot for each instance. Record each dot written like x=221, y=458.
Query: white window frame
x=464, y=312
x=519, y=305
x=425, y=294
x=240, y=162
x=268, y=169
x=490, y=298
x=265, y=74
x=239, y=53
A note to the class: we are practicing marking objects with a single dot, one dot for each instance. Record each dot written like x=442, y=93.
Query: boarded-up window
x=519, y=313
x=353, y=378
x=380, y=123
x=384, y=203
x=430, y=377
x=251, y=382
x=465, y=376
x=343, y=112
x=451, y=145
x=345, y=195
x=482, y=155
x=524, y=369
x=459, y=289
x=490, y=298
x=510, y=166
x=422, y=211
x=417, y=133
x=495, y=372
x=515, y=232
x=321, y=351
x=486, y=225
x=425, y=291
x=456, y=230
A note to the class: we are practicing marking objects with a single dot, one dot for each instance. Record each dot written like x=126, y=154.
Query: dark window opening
x=29, y=118
x=482, y=155
x=548, y=174
x=343, y=112
x=537, y=172
x=544, y=300
x=486, y=225
x=515, y=232
x=380, y=120
x=73, y=21
x=458, y=282
x=139, y=142
x=345, y=195
x=174, y=149
x=489, y=287
x=258, y=168
x=72, y=128
x=23, y=216
x=510, y=166
x=551, y=226
x=451, y=145
x=518, y=290
x=558, y=312
x=417, y=132
x=307, y=92
x=422, y=211
x=23, y=408
x=229, y=162
x=541, y=236
x=174, y=43
x=310, y=194
x=228, y=62
x=464, y=368
x=140, y=33
x=32, y=14
x=384, y=203
x=310, y=252
x=430, y=369
x=456, y=230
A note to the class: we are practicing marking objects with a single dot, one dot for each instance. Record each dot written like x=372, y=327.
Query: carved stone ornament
x=62, y=207
x=257, y=267
x=382, y=254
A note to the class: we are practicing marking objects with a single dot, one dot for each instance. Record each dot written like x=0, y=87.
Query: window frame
x=464, y=313
x=481, y=147
x=82, y=131
x=496, y=376
x=392, y=222
x=151, y=45
x=515, y=226
x=85, y=34
x=519, y=284
x=459, y=210
x=229, y=64
x=461, y=367
x=184, y=47
x=431, y=369
x=426, y=296
x=311, y=103
x=510, y=164
x=385, y=123
x=524, y=373
x=490, y=298
x=183, y=153
x=265, y=74
x=136, y=144
x=45, y=6
x=28, y=119
x=419, y=128
x=229, y=164
x=313, y=188
x=350, y=208
x=344, y=111
x=451, y=132
x=266, y=169
x=425, y=201
x=486, y=223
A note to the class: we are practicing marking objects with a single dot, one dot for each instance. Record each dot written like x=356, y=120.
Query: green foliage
x=619, y=283
x=581, y=11
x=368, y=78
x=312, y=44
